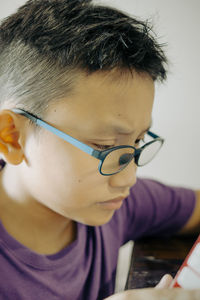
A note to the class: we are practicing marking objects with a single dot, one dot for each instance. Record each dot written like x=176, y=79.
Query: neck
x=31, y=223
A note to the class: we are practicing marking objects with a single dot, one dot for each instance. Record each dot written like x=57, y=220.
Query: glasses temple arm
x=153, y=135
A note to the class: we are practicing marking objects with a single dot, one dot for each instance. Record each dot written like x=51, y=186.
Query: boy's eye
x=106, y=147
x=103, y=147
x=138, y=141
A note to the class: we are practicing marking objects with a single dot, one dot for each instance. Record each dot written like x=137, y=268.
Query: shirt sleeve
x=154, y=209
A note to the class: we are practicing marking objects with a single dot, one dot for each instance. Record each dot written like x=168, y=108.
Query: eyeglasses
x=112, y=160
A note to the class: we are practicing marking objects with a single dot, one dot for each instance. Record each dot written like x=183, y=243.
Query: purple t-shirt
x=86, y=269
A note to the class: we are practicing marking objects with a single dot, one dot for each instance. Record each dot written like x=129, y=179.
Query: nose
x=126, y=178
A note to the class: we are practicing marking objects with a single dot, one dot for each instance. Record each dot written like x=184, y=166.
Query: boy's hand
x=161, y=291
x=165, y=282
x=157, y=294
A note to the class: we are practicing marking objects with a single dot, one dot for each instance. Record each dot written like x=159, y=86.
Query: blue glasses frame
x=101, y=155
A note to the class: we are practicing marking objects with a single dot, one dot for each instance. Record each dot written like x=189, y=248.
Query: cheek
x=70, y=162
x=67, y=181
x=61, y=172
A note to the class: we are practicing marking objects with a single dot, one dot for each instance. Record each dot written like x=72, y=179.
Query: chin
x=98, y=221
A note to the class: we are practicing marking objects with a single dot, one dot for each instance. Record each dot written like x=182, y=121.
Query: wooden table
x=154, y=257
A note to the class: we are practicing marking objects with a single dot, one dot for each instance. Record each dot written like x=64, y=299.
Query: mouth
x=112, y=204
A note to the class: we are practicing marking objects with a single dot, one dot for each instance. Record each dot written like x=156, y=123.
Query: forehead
x=108, y=103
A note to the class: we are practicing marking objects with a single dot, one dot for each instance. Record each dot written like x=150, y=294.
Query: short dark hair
x=46, y=42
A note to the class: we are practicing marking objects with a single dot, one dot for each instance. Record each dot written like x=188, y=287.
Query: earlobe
x=10, y=146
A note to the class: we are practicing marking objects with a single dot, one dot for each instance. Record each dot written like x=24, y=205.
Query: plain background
x=177, y=102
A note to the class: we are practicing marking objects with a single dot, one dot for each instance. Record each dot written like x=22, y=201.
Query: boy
x=77, y=90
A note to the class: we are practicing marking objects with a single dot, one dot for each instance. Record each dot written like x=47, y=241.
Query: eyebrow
x=123, y=130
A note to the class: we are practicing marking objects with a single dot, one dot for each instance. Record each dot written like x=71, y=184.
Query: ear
x=10, y=146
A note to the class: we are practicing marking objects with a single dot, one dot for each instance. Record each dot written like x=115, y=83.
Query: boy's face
x=66, y=179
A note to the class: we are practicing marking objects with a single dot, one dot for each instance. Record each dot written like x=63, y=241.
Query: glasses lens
x=149, y=152
x=117, y=160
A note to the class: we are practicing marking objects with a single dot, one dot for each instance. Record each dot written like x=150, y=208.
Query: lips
x=114, y=200
x=112, y=204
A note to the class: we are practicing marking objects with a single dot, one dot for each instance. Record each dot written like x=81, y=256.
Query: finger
x=164, y=282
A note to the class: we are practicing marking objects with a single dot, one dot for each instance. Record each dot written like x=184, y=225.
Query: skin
x=44, y=194
x=161, y=292
x=152, y=294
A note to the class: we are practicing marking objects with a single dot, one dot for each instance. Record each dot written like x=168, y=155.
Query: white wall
x=177, y=102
